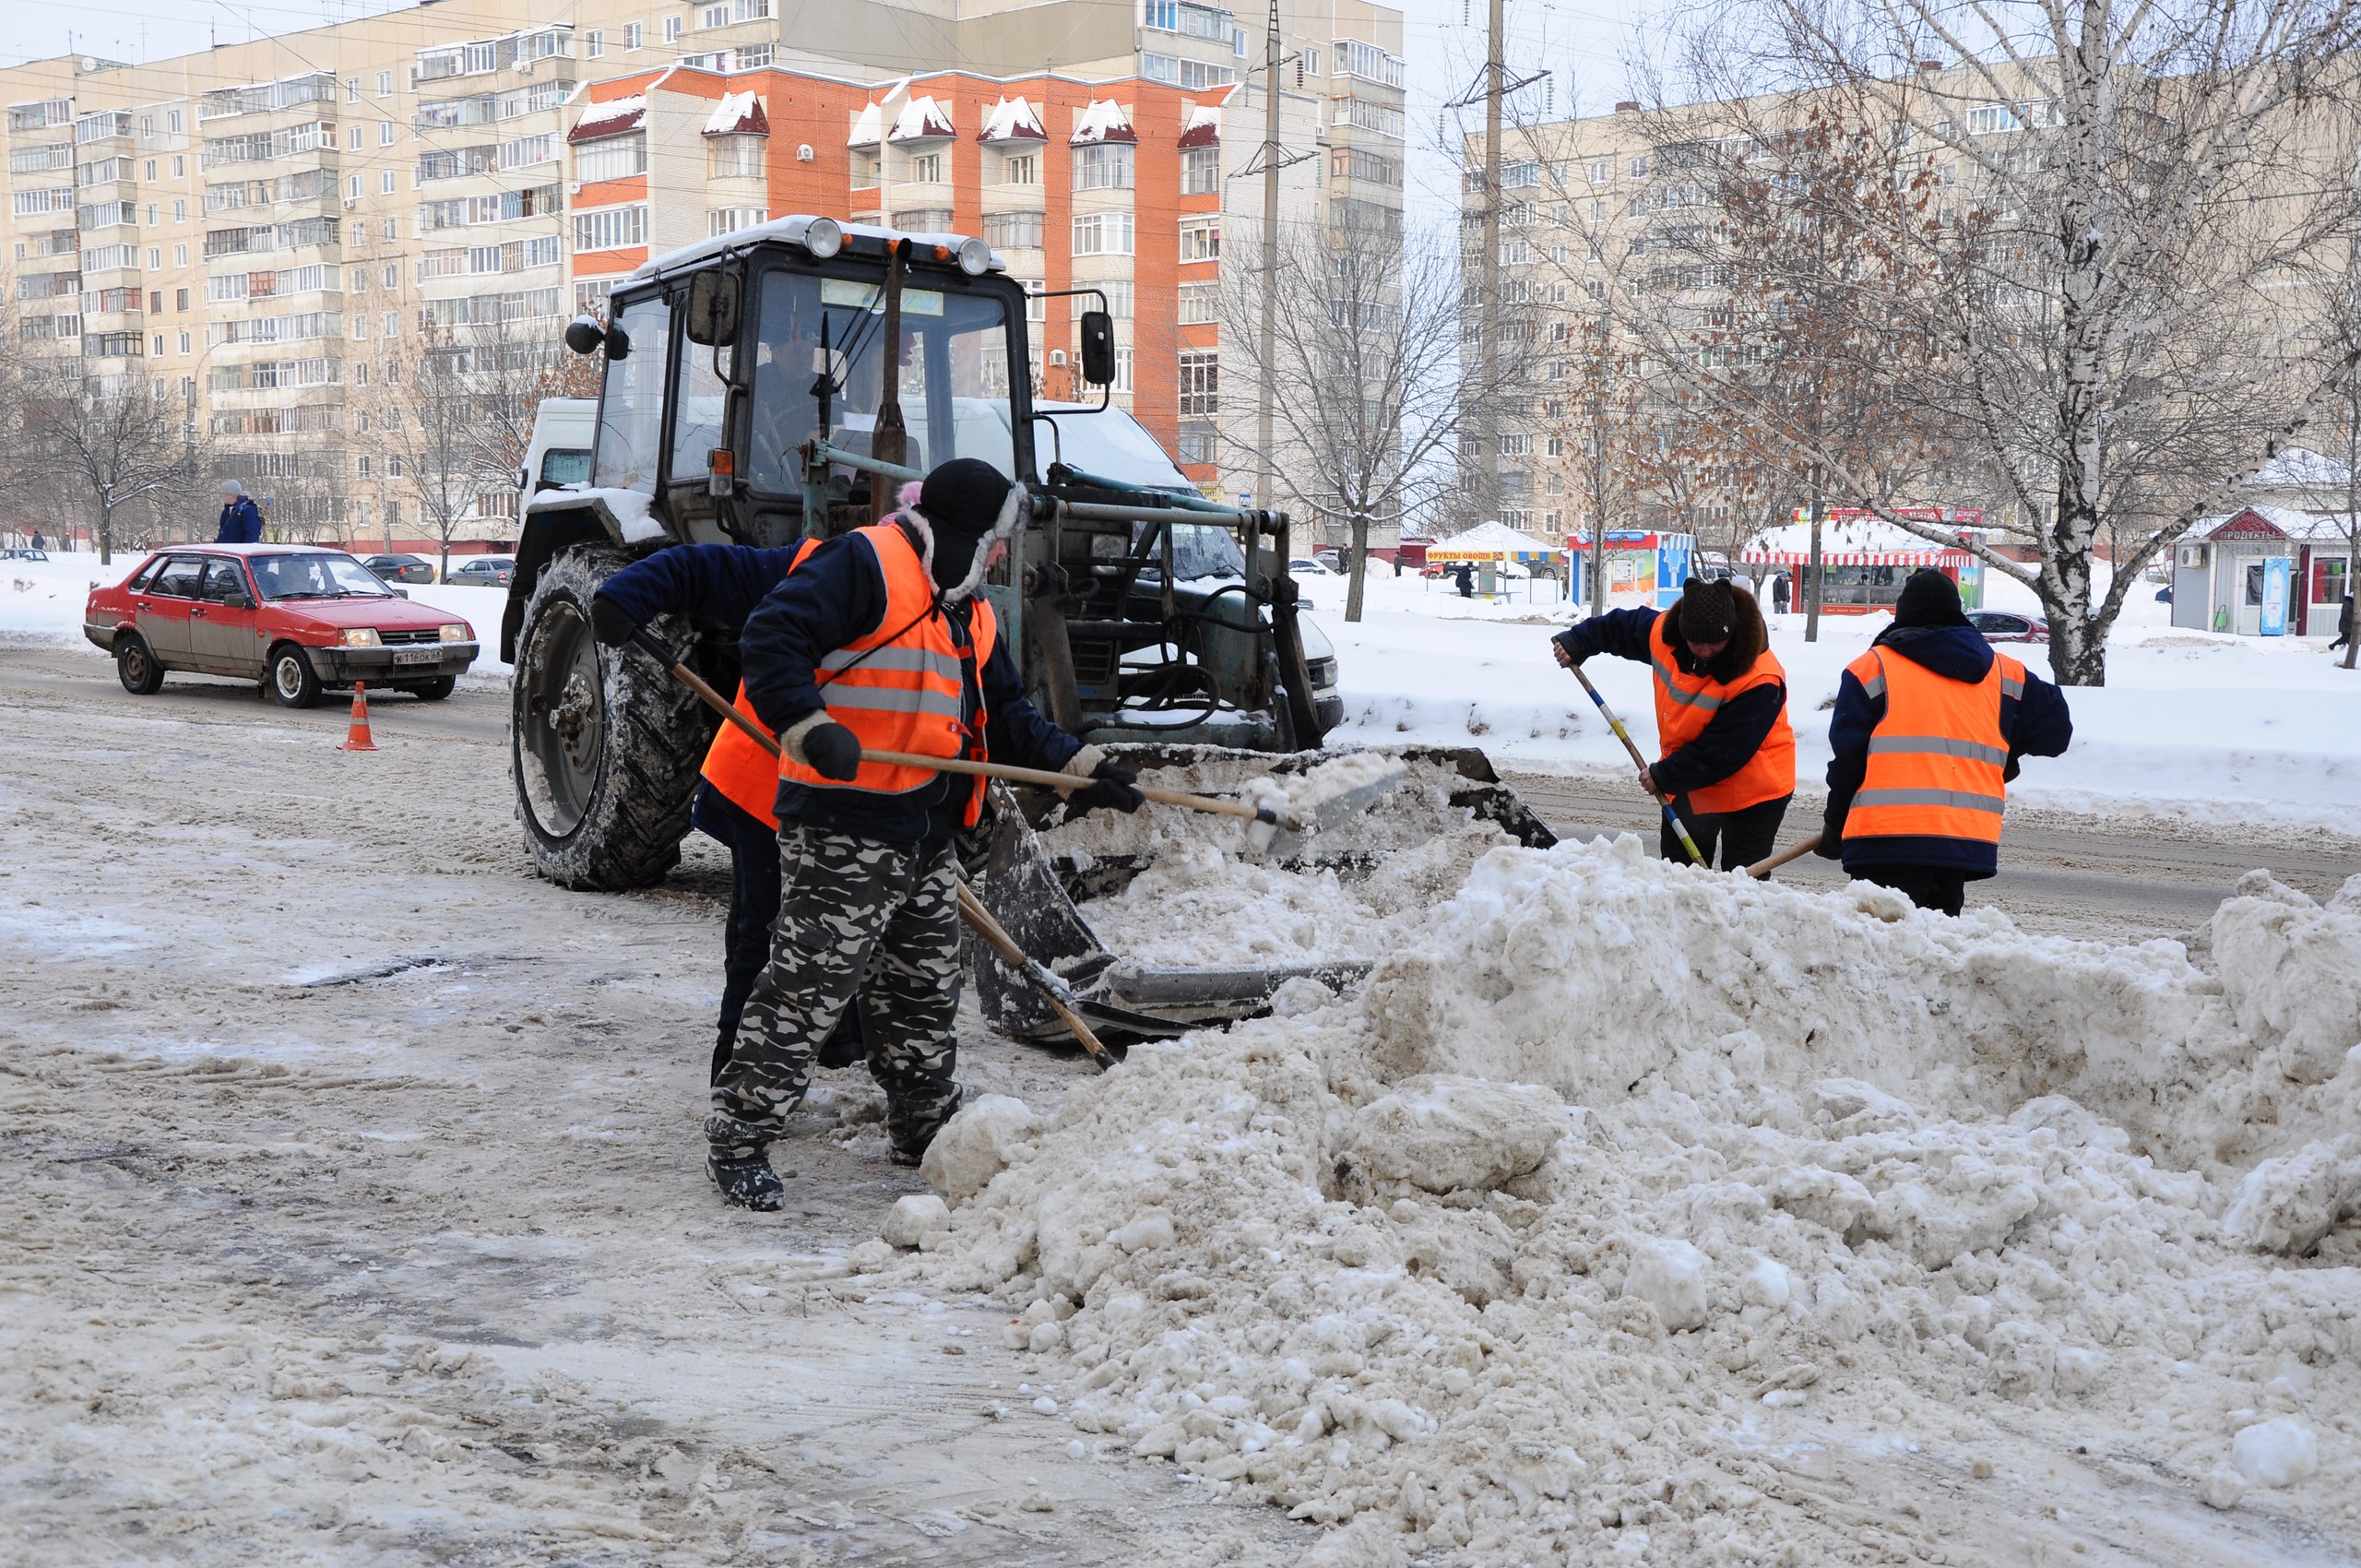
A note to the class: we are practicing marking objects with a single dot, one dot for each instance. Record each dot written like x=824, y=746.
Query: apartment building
x=263, y=230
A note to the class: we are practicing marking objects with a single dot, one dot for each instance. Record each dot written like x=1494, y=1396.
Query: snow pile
x=1620, y=1181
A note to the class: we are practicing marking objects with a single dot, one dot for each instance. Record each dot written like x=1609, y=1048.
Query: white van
x=560, y=452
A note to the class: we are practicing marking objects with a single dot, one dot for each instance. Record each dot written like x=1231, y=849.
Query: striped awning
x=1931, y=556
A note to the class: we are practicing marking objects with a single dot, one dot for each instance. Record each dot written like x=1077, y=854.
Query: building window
x=385, y=83
x=1199, y=444
x=386, y=182
x=617, y=158
x=1201, y=240
x=1639, y=167
x=752, y=57
x=730, y=219
x=1201, y=170
x=1200, y=303
x=1102, y=233
x=634, y=34
x=1309, y=61
x=1106, y=166
x=610, y=228
x=1119, y=297
x=180, y=213
x=714, y=17
x=353, y=90
x=864, y=171
x=735, y=157
x=1013, y=231
x=1122, y=368
x=594, y=44
x=393, y=278
x=1200, y=384
x=179, y=255
x=671, y=29
x=926, y=169
x=1164, y=16
x=1021, y=168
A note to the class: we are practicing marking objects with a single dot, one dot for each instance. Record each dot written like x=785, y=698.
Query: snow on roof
x=1202, y=127
x=1850, y=538
x=1013, y=119
x=2286, y=520
x=738, y=114
x=866, y=129
x=2297, y=468
x=1103, y=121
x=921, y=119
x=615, y=117
x=1494, y=536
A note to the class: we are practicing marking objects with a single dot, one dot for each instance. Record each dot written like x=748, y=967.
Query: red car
x=296, y=617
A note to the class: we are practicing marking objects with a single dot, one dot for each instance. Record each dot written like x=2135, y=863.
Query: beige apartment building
x=261, y=232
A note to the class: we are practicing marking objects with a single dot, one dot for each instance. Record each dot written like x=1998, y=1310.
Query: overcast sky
x=1582, y=42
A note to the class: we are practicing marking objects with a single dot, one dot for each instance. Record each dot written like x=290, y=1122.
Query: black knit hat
x=963, y=496
x=1708, y=612
x=1928, y=599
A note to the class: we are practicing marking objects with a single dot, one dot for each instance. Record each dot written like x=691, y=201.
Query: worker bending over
x=721, y=583
x=879, y=641
x=1728, y=757
x=1928, y=725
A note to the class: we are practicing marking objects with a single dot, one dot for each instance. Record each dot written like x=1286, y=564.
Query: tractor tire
x=604, y=746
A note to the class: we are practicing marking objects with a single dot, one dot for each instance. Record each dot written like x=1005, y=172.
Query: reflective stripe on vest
x=909, y=685
x=1687, y=704
x=1936, y=757
x=739, y=769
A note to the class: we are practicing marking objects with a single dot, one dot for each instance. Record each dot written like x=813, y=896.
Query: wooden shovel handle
x=1792, y=852
x=982, y=922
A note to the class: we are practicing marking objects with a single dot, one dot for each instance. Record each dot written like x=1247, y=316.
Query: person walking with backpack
x=1928, y=725
x=241, y=518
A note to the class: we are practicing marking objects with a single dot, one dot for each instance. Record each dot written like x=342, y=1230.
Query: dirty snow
x=1623, y=1189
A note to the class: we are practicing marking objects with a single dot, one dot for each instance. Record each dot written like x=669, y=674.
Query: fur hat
x=966, y=505
x=1928, y=599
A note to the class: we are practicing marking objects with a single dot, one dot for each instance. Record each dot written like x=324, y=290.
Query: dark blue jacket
x=838, y=597
x=240, y=523
x=1732, y=736
x=706, y=582
x=2037, y=724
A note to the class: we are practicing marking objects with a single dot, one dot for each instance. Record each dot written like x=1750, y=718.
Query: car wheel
x=435, y=690
x=293, y=681
x=135, y=666
x=605, y=743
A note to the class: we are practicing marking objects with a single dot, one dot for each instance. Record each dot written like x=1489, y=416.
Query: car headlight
x=360, y=637
x=454, y=633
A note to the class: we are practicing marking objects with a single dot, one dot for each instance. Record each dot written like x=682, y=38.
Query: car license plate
x=418, y=655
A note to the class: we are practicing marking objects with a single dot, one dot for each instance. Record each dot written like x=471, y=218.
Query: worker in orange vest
x=1928, y=725
x=1728, y=754
x=717, y=586
x=880, y=642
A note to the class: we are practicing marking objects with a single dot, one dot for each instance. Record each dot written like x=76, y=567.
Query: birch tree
x=2123, y=225
x=112, y=446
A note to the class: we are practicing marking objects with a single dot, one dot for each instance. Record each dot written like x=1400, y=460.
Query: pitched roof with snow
x=921, y=119
x=1854, y=541
x=738, y=114
x=1493, y=537
x=867, y=127
x=1012, y=119
x=615, y=117
x=2286, y=520
x=1103, y=121
x=2297, y=469
x=1202, y=127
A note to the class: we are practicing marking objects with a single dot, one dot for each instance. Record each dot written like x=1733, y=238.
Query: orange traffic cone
x=356, y=739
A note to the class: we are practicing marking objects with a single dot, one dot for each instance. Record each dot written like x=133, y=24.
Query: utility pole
x=1487, y=273
x=1268, y=353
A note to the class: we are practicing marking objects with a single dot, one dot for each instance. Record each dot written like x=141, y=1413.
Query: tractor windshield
x=820, y=340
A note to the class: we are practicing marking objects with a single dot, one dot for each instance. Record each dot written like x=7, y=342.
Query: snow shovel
x=1671, y=817
x=1761, y=870
x=1053, y=991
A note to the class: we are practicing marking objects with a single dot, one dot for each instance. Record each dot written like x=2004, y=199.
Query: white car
x=1305, y=566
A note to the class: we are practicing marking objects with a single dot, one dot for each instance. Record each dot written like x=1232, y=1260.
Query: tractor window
x=631, y=408
x=696, y=413
x=955, y=373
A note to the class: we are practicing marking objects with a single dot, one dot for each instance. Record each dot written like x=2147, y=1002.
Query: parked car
x=2007, y=627
x=296, y=617
x=1332, y=557
x=400, y=568
x=484, y=571
x=1308, y=566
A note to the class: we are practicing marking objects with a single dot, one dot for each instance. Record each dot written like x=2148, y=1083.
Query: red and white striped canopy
x=1933, y=556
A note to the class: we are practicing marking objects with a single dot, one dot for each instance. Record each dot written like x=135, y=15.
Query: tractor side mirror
x=713, y=309
x=1097, y=348
x=584, y=336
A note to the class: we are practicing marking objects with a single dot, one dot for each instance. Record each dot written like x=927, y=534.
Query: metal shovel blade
x=1305, y=823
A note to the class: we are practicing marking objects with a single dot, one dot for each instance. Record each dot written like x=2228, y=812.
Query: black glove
x=1570, y=640
x=833, y=752
x=611, y=623
x=1831, y=830
x=1117, y=787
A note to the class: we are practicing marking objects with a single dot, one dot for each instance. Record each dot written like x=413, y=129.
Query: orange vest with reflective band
x=1936, y=757
x=739, y=770
x=1685, y=704
x=902, y=687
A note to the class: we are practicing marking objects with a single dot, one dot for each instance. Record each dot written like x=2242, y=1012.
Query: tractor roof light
x=823, y=237
x=975, y=257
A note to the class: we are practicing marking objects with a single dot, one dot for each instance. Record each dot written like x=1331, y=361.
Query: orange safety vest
x=1937, y=756
x=902, y=687
x=738, y=766
x=1685, y=704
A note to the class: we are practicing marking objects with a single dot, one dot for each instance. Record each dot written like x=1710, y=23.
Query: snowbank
x=1619, y=1179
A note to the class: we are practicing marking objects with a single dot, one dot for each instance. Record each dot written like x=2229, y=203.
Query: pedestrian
x=880, y=642
x=2344, y=615
x=241, y=518
x=1728, y=755
x=1779, y=594
x=1465, y=576
x=37, y=542
x=720, y=583
x=1928, y=725
x=1397, y=563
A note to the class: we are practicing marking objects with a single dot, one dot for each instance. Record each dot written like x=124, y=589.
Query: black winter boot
x=737, y=1158
x=911, y=1124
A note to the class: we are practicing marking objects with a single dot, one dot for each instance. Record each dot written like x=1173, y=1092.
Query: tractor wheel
x=605, y=746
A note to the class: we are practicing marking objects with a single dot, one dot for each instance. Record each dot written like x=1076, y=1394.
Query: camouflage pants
x=859, y=924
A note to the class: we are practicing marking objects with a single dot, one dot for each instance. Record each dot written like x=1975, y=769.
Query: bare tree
x=2106, y=286
x=1365, y=372
x=114, y=445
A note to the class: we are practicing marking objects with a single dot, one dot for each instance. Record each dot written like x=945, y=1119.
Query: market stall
x=1644, y=569
x=1865, y=559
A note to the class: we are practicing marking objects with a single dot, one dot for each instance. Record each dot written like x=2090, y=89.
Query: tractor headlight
x=823, y=237
x=454, y=633
x=975, y=256
x=360, y=637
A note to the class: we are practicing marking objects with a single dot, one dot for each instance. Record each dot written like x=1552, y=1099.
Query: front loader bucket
x=1039, y=876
